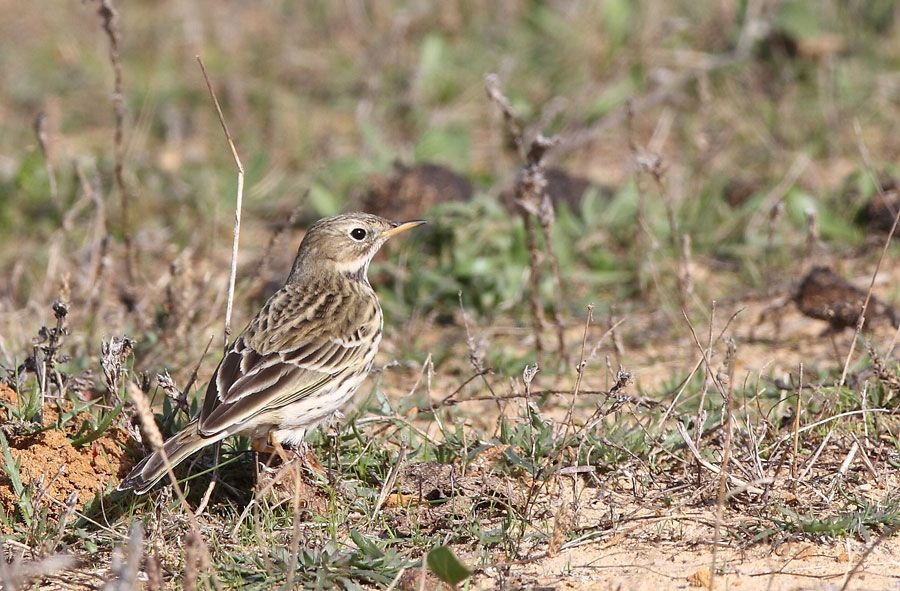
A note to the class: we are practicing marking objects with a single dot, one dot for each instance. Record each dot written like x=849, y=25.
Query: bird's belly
x=295, y=420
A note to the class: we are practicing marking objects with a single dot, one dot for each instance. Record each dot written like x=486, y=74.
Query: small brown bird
x=304, y=354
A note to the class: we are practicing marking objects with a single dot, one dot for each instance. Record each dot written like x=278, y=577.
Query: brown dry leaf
x=395, y=500
x=562, y=523
x=700, y=578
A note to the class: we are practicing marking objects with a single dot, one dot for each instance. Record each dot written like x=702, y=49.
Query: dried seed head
x=529, y=373
x=60, y=309
x=113, y=356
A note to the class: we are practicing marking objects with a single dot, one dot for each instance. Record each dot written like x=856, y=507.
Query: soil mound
x=49, y=461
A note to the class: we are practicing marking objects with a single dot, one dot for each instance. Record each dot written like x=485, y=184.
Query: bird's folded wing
x=247, y=383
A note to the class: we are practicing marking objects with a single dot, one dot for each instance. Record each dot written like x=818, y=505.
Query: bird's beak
x=401, y=228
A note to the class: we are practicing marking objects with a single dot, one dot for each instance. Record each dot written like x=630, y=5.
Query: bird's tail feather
x=152, y=468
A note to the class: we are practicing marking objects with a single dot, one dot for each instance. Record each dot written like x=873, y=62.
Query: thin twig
x=743, y=484
x=849, y=413
x=110, y=18
x=238, y=204
x=579, y=369
x=797, y=428
x=43, y=138
x=852, y=572
x=701, y=406
x=726, y=461
x=887, y=244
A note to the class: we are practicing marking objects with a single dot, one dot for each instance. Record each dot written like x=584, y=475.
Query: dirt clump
x=824, y=295
x=48, y=459
x=409, y=191
x=739, y=190
x=878, y=214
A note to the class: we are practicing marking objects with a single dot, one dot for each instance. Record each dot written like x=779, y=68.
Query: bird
x=303, y=355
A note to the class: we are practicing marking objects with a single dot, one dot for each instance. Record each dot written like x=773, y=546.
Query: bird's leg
x=303, y=452
x=270, y=447
x=256, y=445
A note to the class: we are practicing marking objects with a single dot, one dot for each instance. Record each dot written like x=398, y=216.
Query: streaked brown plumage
x=304, y=354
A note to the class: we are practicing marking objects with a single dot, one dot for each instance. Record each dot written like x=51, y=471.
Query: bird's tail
x=152, y=468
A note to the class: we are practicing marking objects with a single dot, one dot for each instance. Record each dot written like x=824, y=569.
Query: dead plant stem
x=237, y=207
x=110, y=23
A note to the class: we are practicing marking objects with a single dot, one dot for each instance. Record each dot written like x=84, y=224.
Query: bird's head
x=345, y=244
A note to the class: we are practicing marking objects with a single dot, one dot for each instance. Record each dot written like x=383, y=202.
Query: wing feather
x=294, y=347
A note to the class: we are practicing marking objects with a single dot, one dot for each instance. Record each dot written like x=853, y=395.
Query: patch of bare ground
x=49, y=457
x=683, y=563
x=788, y=520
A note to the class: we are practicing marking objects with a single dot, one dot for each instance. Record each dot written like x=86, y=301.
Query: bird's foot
x=304, y=454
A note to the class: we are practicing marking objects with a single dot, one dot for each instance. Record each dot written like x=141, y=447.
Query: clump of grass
x=860, y=521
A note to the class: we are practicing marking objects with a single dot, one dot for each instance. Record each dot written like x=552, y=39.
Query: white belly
x=294, y=421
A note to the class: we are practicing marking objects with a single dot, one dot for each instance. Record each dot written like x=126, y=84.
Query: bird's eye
x=357, y=233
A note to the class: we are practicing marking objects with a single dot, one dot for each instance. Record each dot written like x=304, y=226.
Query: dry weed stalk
x=236, y=237
x=153, y=568
x=238, y=203
x=17, y=574
x=881, y=257
x=172, y=392
x=795, y=457
x=650, y=161
x=888, y=378
x=46, y=356
x=126, y=562
x=533, y=204
x=579, y=369
x=43, y=138
x=731, y=358
x=113, y=357
x=704, y=392
x=110, y=21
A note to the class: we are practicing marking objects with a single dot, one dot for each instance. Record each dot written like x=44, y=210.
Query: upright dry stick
x=538, y=320
x=579, y=369
x=797, y=428
x=43, y=138
x=234, y=252
x=237, y=207
x=726, y=460
x=110, y=22
x=533, y=202
x=887, y=244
